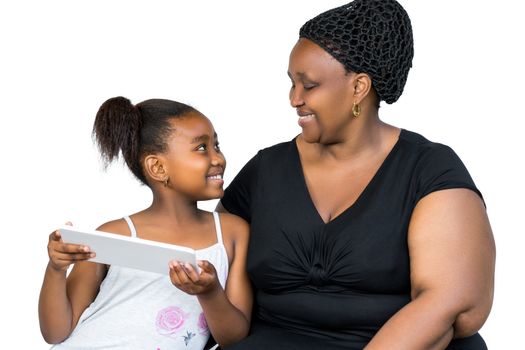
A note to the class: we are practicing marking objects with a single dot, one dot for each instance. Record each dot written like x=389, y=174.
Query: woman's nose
x=296, y=99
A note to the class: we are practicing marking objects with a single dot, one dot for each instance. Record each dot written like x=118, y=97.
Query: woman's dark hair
x=368, y=36
x=135, y=131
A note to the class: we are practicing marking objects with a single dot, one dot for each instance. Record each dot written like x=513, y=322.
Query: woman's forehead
x=307, y=57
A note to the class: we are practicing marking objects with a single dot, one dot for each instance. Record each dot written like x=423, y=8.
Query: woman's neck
x=362, y=139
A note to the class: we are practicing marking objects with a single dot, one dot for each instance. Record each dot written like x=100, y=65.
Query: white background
x=60, y=60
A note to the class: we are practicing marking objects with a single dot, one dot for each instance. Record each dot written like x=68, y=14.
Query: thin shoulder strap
x=131, y=226
x=218, y=229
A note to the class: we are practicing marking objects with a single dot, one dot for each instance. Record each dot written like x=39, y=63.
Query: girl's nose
x=218, y=159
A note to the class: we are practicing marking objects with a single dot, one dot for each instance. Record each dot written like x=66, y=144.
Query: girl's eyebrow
x=203, y=138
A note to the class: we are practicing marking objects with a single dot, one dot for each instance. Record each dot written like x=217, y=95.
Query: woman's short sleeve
x=440, y=168
x=239, y=195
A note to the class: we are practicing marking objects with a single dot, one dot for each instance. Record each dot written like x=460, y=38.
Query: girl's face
x=195, y=162
x=322, y=92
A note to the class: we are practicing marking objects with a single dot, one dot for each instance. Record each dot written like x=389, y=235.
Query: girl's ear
x=155, y=168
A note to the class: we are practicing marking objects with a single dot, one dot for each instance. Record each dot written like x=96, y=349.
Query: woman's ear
x=155, y=168
x=362, y=86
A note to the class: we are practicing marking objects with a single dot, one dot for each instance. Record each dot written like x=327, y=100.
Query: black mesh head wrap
x=368, y=36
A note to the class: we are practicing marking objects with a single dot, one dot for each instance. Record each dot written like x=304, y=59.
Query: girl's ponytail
x=116, y=131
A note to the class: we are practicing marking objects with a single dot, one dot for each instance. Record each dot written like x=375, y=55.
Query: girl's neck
x=178, y=211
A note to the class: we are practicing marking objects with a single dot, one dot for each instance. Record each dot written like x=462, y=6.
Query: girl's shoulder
x=234, y=227
x=118, y=226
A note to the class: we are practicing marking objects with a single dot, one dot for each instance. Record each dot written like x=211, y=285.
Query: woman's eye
x=309, y=86
x=202, y=147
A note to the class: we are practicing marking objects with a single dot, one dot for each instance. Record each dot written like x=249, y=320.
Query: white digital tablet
x=132, y=252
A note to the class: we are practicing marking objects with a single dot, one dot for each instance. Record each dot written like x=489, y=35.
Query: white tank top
x=143, y=310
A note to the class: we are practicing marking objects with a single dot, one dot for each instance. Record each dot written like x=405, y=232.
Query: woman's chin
x=309, y=136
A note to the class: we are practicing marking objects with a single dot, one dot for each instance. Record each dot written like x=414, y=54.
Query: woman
x=363, y=235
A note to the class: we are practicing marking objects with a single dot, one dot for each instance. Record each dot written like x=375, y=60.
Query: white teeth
x=215, y=177
x=307, y=116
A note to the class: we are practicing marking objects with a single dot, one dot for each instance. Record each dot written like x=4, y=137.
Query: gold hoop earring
x=166, y=181
x=356, y=110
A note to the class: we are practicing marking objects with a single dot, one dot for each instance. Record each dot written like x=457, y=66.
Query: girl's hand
x=61, y=254
x=187, y=279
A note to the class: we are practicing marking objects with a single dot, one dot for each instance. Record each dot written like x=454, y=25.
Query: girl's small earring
x=356, y=110
x=166, y=181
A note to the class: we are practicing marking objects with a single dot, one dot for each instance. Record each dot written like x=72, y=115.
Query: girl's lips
x=215, y=178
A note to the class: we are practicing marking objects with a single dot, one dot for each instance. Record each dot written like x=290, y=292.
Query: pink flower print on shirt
x=202, y=324
x=170, y=320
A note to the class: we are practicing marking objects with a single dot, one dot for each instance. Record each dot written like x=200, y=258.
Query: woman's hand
x=62, y=255
x=186, y=278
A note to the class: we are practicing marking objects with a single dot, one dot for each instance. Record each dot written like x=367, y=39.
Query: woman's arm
x=63, y=299
x=452, y=261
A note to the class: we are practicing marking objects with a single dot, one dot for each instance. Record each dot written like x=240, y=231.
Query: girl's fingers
x=76, y=248
x=206, y=266
x=55, y=236
x=72, y=248
x=173, y=274
x=55, y=243
x=72, y=258
x=179, y=276
x=191, y=273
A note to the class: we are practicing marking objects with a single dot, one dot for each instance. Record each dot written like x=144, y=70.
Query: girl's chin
x=217, y=194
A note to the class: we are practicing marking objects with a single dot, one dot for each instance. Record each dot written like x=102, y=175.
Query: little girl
x=173, y=149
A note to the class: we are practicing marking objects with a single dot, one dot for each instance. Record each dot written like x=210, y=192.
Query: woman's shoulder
x=418, y=144
x=278, y=148
x=417, y=139
x=434, y=165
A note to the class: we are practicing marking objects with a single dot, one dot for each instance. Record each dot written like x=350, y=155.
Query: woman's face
x=322, y=92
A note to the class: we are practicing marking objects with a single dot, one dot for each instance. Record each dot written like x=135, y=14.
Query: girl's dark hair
x=135, y=131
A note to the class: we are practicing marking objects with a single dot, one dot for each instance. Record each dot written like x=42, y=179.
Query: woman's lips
x=305, y=119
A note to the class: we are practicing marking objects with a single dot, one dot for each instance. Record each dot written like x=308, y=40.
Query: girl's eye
x=217, y=148
x=202, y=147
x=309, y=86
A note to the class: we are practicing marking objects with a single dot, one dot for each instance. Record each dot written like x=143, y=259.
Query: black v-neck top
x=335, y=283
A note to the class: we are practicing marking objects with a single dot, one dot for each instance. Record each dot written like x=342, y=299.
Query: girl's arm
x=452, y=261
x=228, y=312
x=63, y=299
